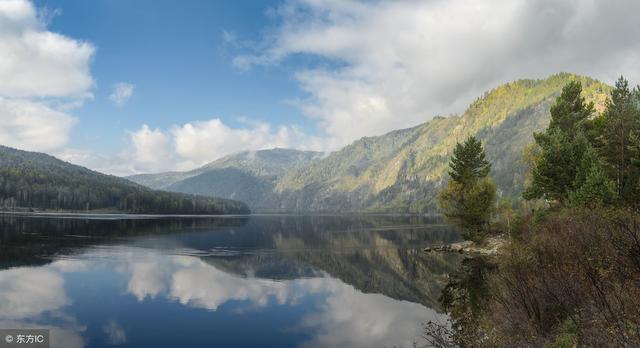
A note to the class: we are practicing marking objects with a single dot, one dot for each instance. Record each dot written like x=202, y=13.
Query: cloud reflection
x=337, y=316
x=27, y=291
x=345, y=316
x=28, y=294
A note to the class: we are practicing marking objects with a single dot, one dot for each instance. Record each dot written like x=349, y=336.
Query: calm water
x=260, y=281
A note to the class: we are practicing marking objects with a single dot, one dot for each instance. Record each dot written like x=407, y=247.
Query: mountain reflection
x=315, y=281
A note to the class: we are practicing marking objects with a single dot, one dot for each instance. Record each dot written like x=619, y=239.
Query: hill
x=38, y=181
x=248, y=176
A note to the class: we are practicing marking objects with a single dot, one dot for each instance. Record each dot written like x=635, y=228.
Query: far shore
x=120, y=215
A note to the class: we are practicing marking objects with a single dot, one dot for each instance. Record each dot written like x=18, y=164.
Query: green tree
x=470, y=196
x=634, y=149
x=593, y=185
x=562, y=146
x=621, y=119
x=469, y=162
x=570, y=110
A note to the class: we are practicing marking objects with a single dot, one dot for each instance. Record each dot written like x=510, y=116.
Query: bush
x=575, y=276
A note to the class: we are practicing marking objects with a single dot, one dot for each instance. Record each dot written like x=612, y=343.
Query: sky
x=125, y=87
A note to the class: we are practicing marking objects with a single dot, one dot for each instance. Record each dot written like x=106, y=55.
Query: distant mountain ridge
x=32, y=180
x=402, y=170
x=248, y=176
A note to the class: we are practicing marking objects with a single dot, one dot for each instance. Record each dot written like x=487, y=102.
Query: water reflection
x=263, y=281
x=32, y=297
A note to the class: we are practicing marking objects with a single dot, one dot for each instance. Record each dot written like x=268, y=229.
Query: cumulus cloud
x=393, y=64
x=32, y=125
x=195, y=143
x=190, y=145
x=121, y=93
x=206, y=140
x=38, y=62
x=43, y=75
x=151, y=146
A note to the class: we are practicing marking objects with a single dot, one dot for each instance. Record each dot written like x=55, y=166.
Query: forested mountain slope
x=401, y=170
x=39, y=181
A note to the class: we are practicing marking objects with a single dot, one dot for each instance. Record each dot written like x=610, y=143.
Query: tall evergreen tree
x=621, y=118
x=570, y=110
x=469, y=161
x=593, y=185
x=562, y=145
x=469, y=199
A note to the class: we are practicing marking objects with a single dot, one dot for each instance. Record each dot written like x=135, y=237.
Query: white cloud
x=202, y=141
x=33, y=126
x=193, y=144
x=122, y=92
x=43, y=75
x=190, y=145
x=151, y=146
x=38, y=62
x=402, y=62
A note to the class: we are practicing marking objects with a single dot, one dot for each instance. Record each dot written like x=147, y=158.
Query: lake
x=257, y=281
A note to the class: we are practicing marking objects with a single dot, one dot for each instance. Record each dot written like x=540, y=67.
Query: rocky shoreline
x=490, y=247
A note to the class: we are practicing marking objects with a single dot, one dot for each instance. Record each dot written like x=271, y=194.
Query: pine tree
x=469, y=199
x=469, y=161
x=562, y=146
x=620, y=119
x=570, y=110
x=634, y=149
x=593, y=185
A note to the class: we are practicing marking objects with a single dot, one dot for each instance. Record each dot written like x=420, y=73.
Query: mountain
x=403, y=170
x=32, y=180
x=248, y=176
x=400, y=171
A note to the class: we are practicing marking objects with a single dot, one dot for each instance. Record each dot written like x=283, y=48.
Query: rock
x=491, y=247
x=456, y=247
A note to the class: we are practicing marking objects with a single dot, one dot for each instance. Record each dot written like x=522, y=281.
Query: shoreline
x=491, y=246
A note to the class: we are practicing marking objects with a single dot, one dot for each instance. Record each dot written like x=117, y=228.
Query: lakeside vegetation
x=569, y=272
x=31, y=180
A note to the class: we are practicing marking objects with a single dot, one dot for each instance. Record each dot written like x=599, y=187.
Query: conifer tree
x=562, y=146
x=593, y=185
x=469, y=199
x=469, y=162
x=621, y=119
x=570, y=111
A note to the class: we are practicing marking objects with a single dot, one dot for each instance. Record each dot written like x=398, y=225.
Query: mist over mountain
x=249, y=176
x=400, y=171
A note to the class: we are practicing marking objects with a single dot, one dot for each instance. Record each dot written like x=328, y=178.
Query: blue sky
x=134, y=86
x=175, y=55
